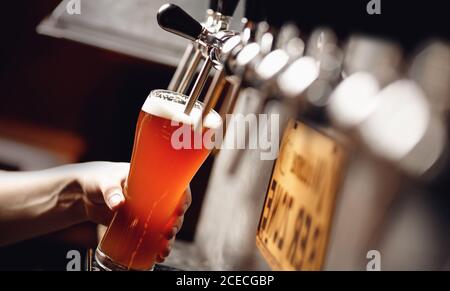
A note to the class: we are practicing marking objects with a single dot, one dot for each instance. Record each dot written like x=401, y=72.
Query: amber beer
x=159, y=174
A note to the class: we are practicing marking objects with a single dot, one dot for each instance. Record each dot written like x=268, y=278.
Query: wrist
x=71, y=197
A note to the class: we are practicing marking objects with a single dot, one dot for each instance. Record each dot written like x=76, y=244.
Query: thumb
x=114, y=197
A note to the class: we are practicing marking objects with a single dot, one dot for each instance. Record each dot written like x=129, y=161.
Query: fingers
x=114, y=197
x=173, y=227
x=112, y=187
x=165, y=252
x=171, y=233
x=188, y=196
x=185, y=202
x=181, y=210
x=103, y=182
x=98, y=213
x=179, y=223
x=175, y=224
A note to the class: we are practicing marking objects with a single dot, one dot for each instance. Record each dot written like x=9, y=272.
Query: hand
x=102, y=184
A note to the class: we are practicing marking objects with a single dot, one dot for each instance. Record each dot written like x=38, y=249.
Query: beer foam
x=170, y=105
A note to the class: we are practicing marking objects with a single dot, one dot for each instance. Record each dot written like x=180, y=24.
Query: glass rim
x=182, y=99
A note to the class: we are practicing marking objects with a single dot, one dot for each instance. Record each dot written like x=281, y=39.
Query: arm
x=40, y=202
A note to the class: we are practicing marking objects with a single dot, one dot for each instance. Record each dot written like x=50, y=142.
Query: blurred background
x=72, y=85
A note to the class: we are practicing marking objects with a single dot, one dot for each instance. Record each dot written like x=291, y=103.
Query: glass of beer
x=159, y=174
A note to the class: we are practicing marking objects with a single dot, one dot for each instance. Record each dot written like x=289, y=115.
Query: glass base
x=107, y=264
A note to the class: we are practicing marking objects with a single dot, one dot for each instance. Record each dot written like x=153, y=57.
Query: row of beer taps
x=364, y=88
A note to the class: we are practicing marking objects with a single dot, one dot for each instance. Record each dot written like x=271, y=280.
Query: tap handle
x=175, y=20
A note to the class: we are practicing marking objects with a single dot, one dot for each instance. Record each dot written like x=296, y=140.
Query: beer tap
x=226, y=9
x=218, y=19
x=369, y=65
x=211, y=13
x=280, y=45
x=175, y=20
x=309, y=77
x=288, y=47
x=431, y=71
x=220, y=78
x=406, y=131
x=285, y=74
x=421, y=153
x=247, y=196
x=241, y=54
x=255, y=12
x=187, y=59
x=381, y=58
x=258, y=40
x=322, y=47
x=252, y=14
x=263, y=70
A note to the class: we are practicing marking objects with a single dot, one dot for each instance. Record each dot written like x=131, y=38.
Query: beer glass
x=159, y=174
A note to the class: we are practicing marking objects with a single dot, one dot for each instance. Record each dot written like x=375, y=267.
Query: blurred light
x=331, y=63
x=295, y=47
x=288, y=39
x=431, y=70
x=230, y=44
x=248, y=53
x=353, y=100
x=298, y=76
x=402, y=130
x=319, y=39
x=376, y=56
x=267, y=42
x=399, y=122
x=287, y=32
x=272, y=64
x=318, y=93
